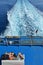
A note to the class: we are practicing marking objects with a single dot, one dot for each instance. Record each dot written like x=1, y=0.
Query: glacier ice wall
x=24, y=20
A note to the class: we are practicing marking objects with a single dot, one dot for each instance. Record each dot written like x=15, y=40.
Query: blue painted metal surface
x=33, y=54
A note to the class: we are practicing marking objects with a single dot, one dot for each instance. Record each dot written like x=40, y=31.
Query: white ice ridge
x=24, y=20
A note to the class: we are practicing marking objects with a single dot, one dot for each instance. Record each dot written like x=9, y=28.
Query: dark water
x=37, y=3
x=3, y=16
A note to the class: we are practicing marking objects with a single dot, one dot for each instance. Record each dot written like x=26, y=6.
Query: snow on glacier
x=24, y=20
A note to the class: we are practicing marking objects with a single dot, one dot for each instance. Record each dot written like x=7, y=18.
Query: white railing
x=13, y=62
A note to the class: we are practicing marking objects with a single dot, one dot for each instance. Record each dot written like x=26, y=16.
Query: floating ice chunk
x=24, y=20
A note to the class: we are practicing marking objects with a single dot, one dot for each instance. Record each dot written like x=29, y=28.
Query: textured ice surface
x=24, y=20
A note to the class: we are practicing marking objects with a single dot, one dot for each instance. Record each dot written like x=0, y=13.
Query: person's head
x=12, y=56
x=9, y=56
x=4, y=57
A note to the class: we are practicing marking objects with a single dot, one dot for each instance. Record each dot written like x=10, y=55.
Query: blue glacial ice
x=24, y=20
